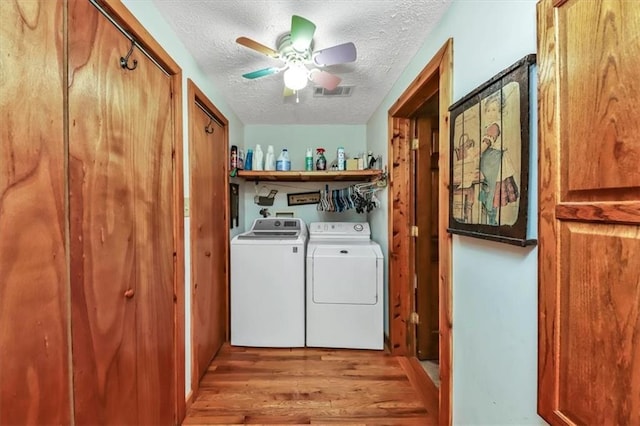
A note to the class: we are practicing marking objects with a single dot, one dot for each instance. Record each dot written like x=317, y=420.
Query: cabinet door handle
x=129, y=293
x=207, y=253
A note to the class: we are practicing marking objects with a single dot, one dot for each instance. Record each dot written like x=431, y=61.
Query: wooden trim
x=414, y=95
x=421, y=382
x=623, y=212
x=128, y=21
x=400, y=215
x=439, y=69
x=191, y=396
x=445, y=241
x=178, y=220
x=191, y=107
x=547, y=119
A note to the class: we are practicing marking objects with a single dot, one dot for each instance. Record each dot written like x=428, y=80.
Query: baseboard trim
x=189, y=401
x=422, y=383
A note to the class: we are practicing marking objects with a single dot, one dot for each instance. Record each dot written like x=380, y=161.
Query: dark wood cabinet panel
x=120, y=160
x=34, y=314
x=90, y=247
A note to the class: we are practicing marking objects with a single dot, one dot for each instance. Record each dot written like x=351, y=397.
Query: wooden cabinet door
x=120, y=161
x=589, y=254
x=34, y=313
x=209, y=230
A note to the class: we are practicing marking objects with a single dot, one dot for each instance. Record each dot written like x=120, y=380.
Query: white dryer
x=344, y=287
x=267, y=284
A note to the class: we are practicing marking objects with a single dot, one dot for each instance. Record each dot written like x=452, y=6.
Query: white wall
x=297, y=138
x=150, y=18
x=494, y=285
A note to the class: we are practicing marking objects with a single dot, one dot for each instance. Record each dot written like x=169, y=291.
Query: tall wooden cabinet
x=589, y=239
x=209, y=225
x=87, y=237
x=34, y=302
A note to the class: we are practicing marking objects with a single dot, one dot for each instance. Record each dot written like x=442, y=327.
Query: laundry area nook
x=319, y=212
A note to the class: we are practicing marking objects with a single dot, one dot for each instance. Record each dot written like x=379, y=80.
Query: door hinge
x=415, y=144
x=414, y=231
x=414, y=318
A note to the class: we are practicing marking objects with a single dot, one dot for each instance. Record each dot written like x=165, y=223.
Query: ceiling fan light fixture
x=296, y=77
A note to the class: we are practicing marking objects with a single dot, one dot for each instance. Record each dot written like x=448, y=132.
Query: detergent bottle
x=321, y=162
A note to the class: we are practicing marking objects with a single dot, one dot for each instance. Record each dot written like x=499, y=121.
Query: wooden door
x=426, y=204
x=209, y=229
x=34, y=294
x=120, y=185
x=589, y=239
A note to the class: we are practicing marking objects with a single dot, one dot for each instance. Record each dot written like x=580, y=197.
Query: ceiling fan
x=295, y=49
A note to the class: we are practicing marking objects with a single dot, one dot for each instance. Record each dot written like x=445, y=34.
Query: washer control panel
x=340, y=230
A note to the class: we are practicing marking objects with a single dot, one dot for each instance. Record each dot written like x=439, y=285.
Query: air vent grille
x=339, y=92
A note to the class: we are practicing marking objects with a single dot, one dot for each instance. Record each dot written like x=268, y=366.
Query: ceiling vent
x=338, y=92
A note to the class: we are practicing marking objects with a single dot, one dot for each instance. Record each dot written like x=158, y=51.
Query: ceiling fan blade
x=340, y=54
x=288, y=92
x=325, y=79
x=302, y=31
x=262, y=73
x=252, y=44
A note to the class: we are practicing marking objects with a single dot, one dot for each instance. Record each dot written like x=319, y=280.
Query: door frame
x=119, y=12
x=194, y=94
x=436, y=77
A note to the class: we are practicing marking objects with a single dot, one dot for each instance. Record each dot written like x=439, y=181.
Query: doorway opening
x=425, y=182
x=416, y=225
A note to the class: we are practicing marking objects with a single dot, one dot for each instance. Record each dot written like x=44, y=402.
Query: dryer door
x=344, y=275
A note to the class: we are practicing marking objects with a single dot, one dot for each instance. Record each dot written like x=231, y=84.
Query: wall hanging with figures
x=490, y=158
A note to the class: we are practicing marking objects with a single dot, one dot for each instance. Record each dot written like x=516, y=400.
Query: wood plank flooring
x=311, y=386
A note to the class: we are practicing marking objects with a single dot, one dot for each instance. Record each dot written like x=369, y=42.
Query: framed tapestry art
x=490, y=158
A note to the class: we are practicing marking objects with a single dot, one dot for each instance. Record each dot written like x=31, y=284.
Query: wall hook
x=209, y=128
x=124, y=61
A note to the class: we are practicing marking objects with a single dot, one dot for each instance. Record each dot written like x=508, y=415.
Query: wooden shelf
x=303, y=176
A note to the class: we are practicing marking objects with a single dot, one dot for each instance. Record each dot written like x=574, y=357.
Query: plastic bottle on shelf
x=284, y=163
x=308, y=160
x=248, y=162
x=234, y=157
x=241, y=159
x=341, y=160
x=258, y=158
x=321, y=162
x=270, y=159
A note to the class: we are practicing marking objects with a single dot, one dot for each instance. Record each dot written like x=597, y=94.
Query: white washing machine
x=267, y=284
x=344, y=287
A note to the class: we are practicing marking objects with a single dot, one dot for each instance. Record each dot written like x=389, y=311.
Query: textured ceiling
x=387, y=34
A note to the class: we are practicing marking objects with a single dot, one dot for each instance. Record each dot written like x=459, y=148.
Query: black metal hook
x=209, y=128
x=124, y=61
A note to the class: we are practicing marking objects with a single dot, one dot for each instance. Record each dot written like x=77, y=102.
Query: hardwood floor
x=312, y=386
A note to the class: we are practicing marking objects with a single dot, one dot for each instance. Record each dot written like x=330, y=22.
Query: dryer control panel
x=342, y=230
